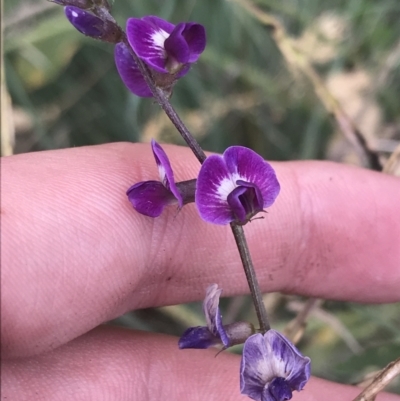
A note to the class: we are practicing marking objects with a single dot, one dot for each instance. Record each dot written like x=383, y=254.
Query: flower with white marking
x=167, y=49
x=235, y=186
x=272, y=368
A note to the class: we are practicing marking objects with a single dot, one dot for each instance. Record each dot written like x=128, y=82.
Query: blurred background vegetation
x=250, y=87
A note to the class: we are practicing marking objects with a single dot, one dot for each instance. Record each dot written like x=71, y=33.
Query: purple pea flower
x=167, y=49
x=235, y=186
x=150, y=197
x=215, y=334
x=272, y=368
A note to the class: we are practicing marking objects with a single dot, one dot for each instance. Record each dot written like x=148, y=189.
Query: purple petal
x=269, y=356
x=150, y=197
x=198, y=337
x=147, y=40
x=185, y=44
x=249, y=166
x=84, y=22
x=165, y=171
x=266, y=395
x=177, y=46
x=214, y=184
x=245, y=201
x=195, y=36
x=129, y=71
x=159, y=22
x=213, y=314
x=279, y=389
x=297, y=366
x=253, y=377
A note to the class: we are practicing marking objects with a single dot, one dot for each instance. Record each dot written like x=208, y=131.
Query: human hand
x=75, y=254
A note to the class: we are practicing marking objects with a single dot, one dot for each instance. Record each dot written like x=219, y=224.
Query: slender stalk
x=102, y=10
x=380, y=381
x=163, y=101
x=237, y=230
x=251, y=277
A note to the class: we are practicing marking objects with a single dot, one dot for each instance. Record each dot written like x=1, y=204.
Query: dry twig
x=380, y=382
x=297, y=61
x=295, y=328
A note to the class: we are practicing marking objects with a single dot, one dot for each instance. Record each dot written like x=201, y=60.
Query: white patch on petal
x=227, y=185
x=74, y=14
x=162, y=173
x=270, y=367
x=159, y=37
x=279, y=367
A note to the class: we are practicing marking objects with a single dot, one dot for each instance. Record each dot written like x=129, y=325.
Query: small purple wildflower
x=215, y=334
x=93, y=26
x=150, y=197
x=167, y=49
x=272, y=368
x=235, y=186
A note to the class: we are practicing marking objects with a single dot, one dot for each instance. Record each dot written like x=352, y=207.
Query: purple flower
x=167, y=49
x=215, y=334
x=235, y=186
x=93, y=26
x=163, y=46
x=150, y=197
x=272, y=368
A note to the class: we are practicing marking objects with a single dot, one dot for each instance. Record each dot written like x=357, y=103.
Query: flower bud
x=90, y=25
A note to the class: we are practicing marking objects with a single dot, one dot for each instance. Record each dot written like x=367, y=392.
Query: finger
x=75, y=253
x=116, y=364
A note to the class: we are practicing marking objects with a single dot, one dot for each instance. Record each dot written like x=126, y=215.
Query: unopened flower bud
x=95, y=27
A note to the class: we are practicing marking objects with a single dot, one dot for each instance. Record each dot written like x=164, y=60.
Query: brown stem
x=251, y=277
x=163, y=101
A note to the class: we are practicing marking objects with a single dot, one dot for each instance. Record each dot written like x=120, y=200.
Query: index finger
x=75, y=254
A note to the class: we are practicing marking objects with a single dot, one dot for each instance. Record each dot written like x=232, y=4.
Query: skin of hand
x=75, y=254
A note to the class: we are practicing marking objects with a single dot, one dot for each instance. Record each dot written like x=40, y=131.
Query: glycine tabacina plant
x=151, y=56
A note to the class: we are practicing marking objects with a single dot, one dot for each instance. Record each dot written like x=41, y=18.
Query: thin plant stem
x=162, y=99
x=251, y=277
x=102, y=10
x=238, y=232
